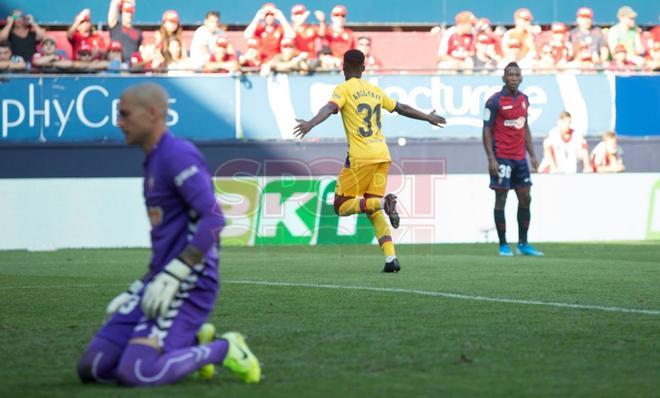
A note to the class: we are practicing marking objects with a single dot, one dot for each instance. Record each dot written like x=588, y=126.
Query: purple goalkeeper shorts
x=190, y=308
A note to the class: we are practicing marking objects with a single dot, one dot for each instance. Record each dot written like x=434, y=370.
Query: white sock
x=389, y=259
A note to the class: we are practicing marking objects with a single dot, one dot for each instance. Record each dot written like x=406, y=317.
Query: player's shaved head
x=148, y=95
x=143, y=114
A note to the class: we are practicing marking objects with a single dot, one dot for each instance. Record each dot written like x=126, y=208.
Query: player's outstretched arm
x=303, y=127
x=409, y=111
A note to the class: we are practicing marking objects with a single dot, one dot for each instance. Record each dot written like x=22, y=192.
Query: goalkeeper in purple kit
x=156, y=331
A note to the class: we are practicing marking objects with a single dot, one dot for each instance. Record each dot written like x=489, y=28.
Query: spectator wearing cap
x=269, y=26
x=522, y=32
x=10, y=62
x=170, y=28
x=81, y=32
x=620, y=61
x=584, y=59
x=308, y=36
x=47, y=58
x=370, y=61
x=252, y=57
x=562, y=49
x=483, y=26
x=457, y=43
x=289, y=59
x=115, y=57
x=586, y=34
x=627, y=33
x=339, y=38
x=22, y=32
x=221, y=60
x=85, y=60
x=124, y=32
x=205, y=38
x=485, y=58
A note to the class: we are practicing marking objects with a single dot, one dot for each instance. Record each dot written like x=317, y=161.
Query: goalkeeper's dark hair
x=354, y=58
x=512, y=64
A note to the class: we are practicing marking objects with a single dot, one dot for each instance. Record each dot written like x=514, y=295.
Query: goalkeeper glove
x=160, y=292
x=123, y=297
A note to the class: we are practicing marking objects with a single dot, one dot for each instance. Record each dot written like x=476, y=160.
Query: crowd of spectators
x=275, y=43
x=474, y=44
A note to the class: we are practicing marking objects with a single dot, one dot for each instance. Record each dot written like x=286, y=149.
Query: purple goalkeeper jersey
x=182, y=206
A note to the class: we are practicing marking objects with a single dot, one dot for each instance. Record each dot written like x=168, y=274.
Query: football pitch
x=457, y=321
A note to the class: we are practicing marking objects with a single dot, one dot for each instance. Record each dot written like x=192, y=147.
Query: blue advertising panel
x=638, y=105
x=212, y=108
x=270, y=106
x=84, y=108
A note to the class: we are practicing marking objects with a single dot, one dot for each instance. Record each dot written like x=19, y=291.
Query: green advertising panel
x=287, y=213
x=341, y=230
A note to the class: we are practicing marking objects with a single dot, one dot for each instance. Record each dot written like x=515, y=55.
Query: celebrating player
x=151, y=336
x=361, y=183
x=506, y=135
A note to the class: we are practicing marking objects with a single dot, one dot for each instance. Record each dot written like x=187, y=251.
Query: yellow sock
x=382, y=229
x=359, y=205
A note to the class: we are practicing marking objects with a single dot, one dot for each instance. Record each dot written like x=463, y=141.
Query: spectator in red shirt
x=47, y=58
x=170, y=28
x=339, y=38
x=85, y=61
x=308, y=36
x=221, y=60
x=364, y=45
x=620, y=61
x=653, y=61
x=484, y=27
x=485, y=58
x=22, y=33
x=584, y=59
x=252, y=56
x=81, y=32
x=269, y=26
x=148, y=58
x=124, y=32
x=457, y=43
x=561, y=49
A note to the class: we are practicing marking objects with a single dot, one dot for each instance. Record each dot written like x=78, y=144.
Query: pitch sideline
x=385, y=290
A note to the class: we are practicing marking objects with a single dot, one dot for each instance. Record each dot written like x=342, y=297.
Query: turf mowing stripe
x=451, y=295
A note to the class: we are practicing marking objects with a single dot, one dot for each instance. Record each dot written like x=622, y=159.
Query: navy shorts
x=512, y=174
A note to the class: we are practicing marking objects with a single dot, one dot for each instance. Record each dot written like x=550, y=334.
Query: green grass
x=362, y=343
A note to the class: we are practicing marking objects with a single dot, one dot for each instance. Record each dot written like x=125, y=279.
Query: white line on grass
x=450, y=295
x=385, y=290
